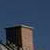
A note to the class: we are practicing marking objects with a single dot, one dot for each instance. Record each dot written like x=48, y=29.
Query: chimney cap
x=20, y=25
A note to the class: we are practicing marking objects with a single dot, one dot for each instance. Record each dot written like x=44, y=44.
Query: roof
x=2, y=47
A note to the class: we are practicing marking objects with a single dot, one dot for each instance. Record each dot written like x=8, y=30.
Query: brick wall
x=27, y=41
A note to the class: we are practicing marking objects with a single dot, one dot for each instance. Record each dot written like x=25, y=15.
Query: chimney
x=21, y=36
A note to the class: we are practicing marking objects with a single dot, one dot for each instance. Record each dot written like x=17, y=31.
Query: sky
x=36, y=13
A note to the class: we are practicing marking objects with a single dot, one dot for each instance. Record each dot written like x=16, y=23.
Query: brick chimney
x=21, y=36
